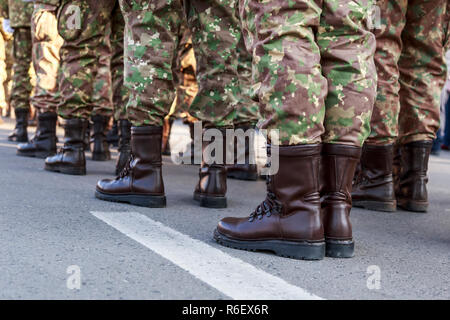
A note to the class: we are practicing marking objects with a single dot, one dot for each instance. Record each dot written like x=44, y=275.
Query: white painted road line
x=231, y=276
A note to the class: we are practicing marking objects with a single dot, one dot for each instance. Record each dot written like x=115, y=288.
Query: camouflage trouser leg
x=313, y=90
x=409, y=80
x=248, y=113
x=3, y=75
x=215, y=36
x=9, y=69
x=184, y=73
x=21, y=87
x=422, y=70
x=102, y=97
x=46, y=45
x=85, y=58
x=120, y=92
x=151, y=44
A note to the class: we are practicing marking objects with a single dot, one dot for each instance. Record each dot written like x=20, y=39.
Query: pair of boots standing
x=71, y=159
x=393, y=175
x=306, y=213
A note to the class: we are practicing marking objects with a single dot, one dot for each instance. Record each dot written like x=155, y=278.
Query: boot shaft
x=146, y=168
x=146, y=144
x=296, y=183
x=124, y=128
x=99, y=126
x=377, y=161
x=338, y=167
x=415, y=157
x=413, y=179
x=46, y=125
x=22, y=117
x=74, y=131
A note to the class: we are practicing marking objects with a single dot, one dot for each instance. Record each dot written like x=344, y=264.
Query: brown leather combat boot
x=141, y=182
x=20, y=133
x=43, y=144
x=100, y=146
x=288, y=222
x=70, y=159
x=246, y=169
x=211, y=188
x=373, y=187
x=411, y=190
x=337, y=170
x=124, y=128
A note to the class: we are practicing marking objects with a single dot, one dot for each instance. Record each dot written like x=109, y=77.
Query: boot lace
x=127, y=169
x=269, y=206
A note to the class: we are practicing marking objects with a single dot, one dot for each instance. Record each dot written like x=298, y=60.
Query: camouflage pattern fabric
x=411, y=68
x=3, y=74
x=21, y=81
x=155, y=29
x=85, y=79
x=185, y=73
x=120, y=92
x=313, y=68
x=46, y=45
x=17, y=11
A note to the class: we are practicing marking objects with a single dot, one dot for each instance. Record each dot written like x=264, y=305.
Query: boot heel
x=137, y=200
x=308, y=251
x=386, y=206
x=250, y=176
x=148, y=201
x=211, y=202
x=101, y=156
x=80, y=171
x=415, y=206
x=340, y=248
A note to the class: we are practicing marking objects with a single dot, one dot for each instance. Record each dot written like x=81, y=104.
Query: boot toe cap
x=230, y=226
x=104, y=185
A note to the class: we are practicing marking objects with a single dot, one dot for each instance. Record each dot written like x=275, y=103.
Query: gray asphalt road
x=46, y=225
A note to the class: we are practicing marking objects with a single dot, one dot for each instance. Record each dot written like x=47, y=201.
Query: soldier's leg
x=46, y=45
x=151, y=41
x=3, y=76
x=347, y=47
x=292, y=90
x=244, y=166
x=219, y=103
x=21, y=86
x=8, y=83
x=83, y=25
x=120, y=91
x=373, y=185
x=102, y=100
x=422, y=77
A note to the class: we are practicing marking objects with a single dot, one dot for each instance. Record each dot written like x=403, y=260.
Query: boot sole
x=414, y=206
x=134, y=199
x=211, y=202
x=80, y=171
x=39, y=155
x=101, y=156
x=287, y=249
x=249, y=176
x=340, y=248
x=384, y=206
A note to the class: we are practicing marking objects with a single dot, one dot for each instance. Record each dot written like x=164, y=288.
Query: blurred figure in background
x=5, y=69
x=445, y=139
x=17, y=14
x=46, y=43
